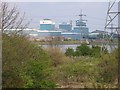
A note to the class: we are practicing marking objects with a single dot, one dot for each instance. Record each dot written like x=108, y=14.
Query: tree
x=69, y=52
x=83, y=50
x=11, y=19
x=24, y=63
x=14, y=47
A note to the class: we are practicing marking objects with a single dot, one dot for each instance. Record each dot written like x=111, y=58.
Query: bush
x=23, y=62
x=38, y=74
x=95, y=51
x=69, y=52
x=108, y=68
x=57, y=56
x=14, y=55
x=83, y=50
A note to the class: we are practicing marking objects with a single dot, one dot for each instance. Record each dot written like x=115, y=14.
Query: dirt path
x=72, y=85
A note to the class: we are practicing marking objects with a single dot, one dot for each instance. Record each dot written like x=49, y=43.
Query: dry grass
x=57, y=56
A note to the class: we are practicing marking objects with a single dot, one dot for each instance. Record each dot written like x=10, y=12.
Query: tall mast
x=81, y=16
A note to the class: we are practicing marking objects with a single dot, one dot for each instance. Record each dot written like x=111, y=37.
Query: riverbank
x=57, y=42
x=35, y=67
x=76, y=42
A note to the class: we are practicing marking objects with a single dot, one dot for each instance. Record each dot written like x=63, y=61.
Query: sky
x=65, y=11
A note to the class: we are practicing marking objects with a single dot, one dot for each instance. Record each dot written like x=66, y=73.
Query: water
x=64, y=47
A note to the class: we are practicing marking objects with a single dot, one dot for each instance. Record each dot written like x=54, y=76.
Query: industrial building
x=47, y=24
x=81, y=28
x=79, y=32
x=48, y=30
x=71, y=35
x=65, y=26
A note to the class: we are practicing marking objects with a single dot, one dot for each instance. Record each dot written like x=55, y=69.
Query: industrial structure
x=47, y=24
x=65, y=26
x=80, y=31
x=109, y=26
x=48, y=31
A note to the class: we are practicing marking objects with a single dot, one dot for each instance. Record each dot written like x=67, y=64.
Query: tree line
x=84, y=50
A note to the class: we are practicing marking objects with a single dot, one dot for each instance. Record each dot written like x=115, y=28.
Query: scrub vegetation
x=26, y=65
x=84, y=50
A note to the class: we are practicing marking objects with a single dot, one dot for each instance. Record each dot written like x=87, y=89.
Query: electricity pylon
x=110, y=29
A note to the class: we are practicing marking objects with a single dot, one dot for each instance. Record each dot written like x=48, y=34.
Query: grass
x=70, y=73
x=85, y=71
x=34, y=67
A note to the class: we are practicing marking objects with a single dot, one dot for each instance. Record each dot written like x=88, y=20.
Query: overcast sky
x=66, y=11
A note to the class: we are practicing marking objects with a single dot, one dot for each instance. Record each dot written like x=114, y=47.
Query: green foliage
x=13, y=60
x=33, y=67
x=95, y=51
x=83, y=50
x=47, y=84
x=108, y=68
x=69, y=52
x=75, y=71
x=98, y=72
x=37, y=73
x=20, y=55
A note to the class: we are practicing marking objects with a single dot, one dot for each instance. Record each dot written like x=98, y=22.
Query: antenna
x=81, y=16
x=81, y=23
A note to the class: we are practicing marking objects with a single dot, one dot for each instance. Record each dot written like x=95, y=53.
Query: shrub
x=23, y=62
x=95, y=51
x=57, y=56
x=108, y=68
x=13, y=59
x=69, y=52
x=83, y=50
x=38, y=74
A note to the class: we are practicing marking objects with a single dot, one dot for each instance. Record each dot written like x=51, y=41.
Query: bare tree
x=11, y=19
